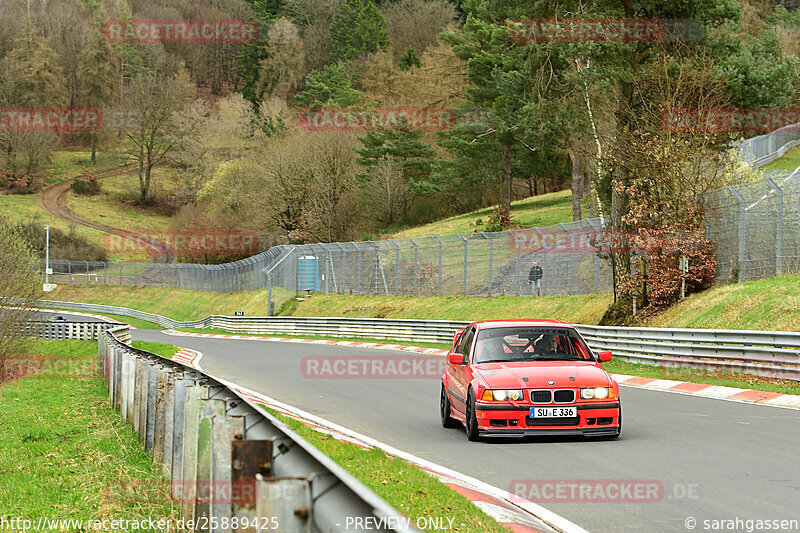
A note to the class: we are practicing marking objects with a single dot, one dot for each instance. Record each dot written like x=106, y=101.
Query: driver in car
x=546, y=345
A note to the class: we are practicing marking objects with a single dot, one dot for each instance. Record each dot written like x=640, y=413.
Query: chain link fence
x=764, y=149
x=476, y=264
x=756, y=227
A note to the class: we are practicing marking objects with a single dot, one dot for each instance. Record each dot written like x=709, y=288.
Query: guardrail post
x=185, y=479
x=288, y=501
x=153, y=370
x=205, y=458
x=162, y=379
x=225, y=430
x=138, y=405
x=778, y=227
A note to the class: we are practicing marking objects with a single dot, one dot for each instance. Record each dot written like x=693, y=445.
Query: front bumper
x=594, y=419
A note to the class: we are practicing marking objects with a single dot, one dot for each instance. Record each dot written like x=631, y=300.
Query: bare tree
x=153, y=99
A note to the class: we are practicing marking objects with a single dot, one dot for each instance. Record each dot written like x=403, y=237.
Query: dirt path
x=53, y=199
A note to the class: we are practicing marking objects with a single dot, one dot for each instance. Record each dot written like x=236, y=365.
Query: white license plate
x=553, y=412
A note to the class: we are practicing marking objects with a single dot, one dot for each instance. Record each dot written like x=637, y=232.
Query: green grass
x=107, y=208
x=726, y=379
x=24, y=207
x=790, y=161
x=409, y=489
x=439, y=345
x=770, y=304
x=63, y=450
x=586, y=309
x=159, y=348
x=137, y=323
x=179, y=304
x=67, y=164
x=536, y=211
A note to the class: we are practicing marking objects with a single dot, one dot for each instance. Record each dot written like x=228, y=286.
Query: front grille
x=605, y=420
x=572, y=421
x=498, y=422
x=541, y=396
x=564, y=396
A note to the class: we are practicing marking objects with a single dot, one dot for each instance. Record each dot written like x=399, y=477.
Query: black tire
x=472, y=421
x=619, y=428
x=444, y=411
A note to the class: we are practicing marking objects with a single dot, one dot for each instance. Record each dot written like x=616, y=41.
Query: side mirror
x=604, y=356
x=455, y=358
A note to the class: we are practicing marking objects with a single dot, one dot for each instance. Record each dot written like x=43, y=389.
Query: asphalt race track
x=47, y=315
x=716, y=459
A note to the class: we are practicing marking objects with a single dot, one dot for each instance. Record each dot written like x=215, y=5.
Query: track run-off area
x=712, y=459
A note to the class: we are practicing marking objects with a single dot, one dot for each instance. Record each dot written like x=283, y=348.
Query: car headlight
x=598, y=393
x=501, y=395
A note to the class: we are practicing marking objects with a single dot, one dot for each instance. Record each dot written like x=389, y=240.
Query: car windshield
x=525, y=343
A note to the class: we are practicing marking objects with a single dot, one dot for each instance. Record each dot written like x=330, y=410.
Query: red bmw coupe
x=517, y=378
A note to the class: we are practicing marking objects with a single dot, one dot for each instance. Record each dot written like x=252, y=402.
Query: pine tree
x=358, y=28
x=409, y=59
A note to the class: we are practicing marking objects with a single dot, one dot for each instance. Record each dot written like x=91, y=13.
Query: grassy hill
x=769, y=304
x=790, y=161
x=536, y=211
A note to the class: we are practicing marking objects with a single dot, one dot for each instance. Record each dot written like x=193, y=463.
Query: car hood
x=511, y=375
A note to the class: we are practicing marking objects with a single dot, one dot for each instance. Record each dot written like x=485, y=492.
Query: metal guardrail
x=86, y=331
x=212, y=442
x=765, y=353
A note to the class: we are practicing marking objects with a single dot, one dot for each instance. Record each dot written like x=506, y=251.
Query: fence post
x=778, y=228
x=440, y=262
x=396, y=267
x=491, y=258
x=358, y=285
x=465, y=261
x=742, y=213
x=415, y=264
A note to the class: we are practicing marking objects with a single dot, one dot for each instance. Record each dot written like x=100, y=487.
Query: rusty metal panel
x=249, y=457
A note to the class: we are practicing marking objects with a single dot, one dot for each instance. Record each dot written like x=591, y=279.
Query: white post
x=47, y=257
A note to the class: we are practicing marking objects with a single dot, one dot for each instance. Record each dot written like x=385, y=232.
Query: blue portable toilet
x=308, y=273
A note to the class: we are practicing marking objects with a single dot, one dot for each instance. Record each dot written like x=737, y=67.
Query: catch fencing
x=764, y=149
x=474, y=264
x=756, y=227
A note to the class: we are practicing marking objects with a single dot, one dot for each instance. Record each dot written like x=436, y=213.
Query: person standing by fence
x=535, y=279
